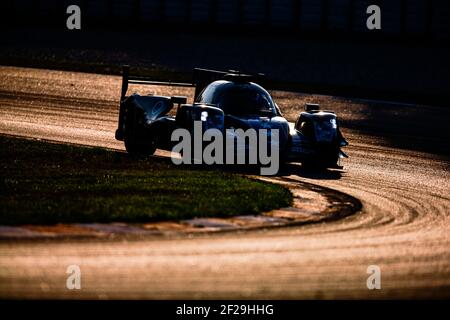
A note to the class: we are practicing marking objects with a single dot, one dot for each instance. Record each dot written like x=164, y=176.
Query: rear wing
x=200, y=79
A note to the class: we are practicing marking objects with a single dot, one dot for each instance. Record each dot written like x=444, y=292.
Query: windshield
x=326, y=130
x=240, y=100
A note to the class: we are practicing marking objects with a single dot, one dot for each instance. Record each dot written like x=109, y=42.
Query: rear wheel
x=137, y=143
x=140, y=148
x=321, y=163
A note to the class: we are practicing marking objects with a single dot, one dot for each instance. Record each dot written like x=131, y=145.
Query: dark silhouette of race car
x=226, y=100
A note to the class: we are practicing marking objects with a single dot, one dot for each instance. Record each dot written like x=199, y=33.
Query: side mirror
x=312, y=107
x=211, y=117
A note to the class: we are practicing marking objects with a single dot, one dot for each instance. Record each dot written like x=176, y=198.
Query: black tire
x=320, y=163
x=137, y=144
x=139, y=148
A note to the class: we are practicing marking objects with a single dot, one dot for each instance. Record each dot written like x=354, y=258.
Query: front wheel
x=321, y=163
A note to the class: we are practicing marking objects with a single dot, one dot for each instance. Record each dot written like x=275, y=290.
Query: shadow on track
x=285, y=170
x=413, y=127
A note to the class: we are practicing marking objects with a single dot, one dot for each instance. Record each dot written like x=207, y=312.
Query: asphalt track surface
x=404, y=226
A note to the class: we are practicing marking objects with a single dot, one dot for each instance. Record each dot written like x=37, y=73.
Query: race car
x=224, y=101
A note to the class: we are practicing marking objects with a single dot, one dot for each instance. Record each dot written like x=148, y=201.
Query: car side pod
x=128, y=79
